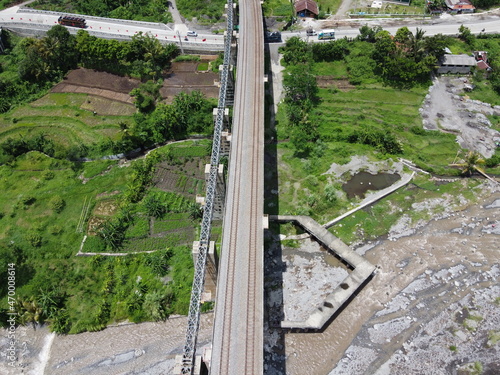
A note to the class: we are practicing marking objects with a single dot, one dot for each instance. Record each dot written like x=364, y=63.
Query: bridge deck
x=238, y=326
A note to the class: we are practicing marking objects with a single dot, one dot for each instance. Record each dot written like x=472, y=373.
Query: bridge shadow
x=274, y=267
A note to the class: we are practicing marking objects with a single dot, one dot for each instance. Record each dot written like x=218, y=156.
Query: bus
x=326, y=34
x=71, y=21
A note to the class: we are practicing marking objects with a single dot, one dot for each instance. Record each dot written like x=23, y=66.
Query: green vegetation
x=416, y=7
x=65, y=125
x=39, y=233
x=493, y=338
x=362, y=104
x=139, y=10
x=205, y=12
x=284, y=9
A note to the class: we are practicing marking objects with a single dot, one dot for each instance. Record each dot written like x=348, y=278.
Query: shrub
x=330, y=193
x=154, y=207
x=27, y=200
x=34, y=238
x=57, y=204
x=48, y=175
x=55, y=230
x=493, y=161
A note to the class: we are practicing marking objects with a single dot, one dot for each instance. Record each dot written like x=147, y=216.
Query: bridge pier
x=220, y=191
x=199, y=366
x=211, y=270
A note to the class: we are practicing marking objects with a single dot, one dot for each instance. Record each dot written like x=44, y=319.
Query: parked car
x=311, y=32
x=192, y=33
x=272, y=37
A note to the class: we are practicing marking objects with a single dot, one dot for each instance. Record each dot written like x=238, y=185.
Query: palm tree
x=472, y=162
x=29, y=311
x=417, y=44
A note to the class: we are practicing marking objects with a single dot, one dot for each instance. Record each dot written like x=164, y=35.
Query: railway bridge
x=238, y=327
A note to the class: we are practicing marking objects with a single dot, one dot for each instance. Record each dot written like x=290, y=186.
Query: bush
x=330, y=193
x=493, y=161
x=48, y=175
x=34, y=239
x=27, y=200
x=55, y=230
x=57, y=204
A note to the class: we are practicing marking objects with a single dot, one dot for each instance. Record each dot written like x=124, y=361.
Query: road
x=120, y=29
x=107, y=27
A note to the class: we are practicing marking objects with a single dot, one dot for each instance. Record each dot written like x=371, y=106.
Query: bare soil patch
x=101, y=80
x=192, y=179
x=329, y=81
x=106, y=208
x=445, y=109
x=183, y=77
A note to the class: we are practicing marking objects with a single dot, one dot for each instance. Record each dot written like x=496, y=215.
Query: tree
x=296, y=51
x=144, y=102
x=436, y=44
x=154, y=207
x=385, y=48
x=472, y=162
x=57, y=204
x=150, y=56
x=157, y=304
x=330, y=51
x=61, y=46
x=300, y=85
x=195, y=211
x=466, y=35
x=29, y=311
x=367, y=33
x=112, y=233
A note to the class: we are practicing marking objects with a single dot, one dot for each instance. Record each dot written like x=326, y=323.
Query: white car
x=192, y=33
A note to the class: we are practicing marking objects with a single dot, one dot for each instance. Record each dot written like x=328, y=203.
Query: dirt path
x=446, y=110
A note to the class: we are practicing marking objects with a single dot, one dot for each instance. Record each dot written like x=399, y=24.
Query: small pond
x=361, y=182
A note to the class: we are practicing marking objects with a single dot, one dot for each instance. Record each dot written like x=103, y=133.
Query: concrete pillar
x=220, y=191
x=197, y=368
x=225, y=117
x=211, y=270
x=225, y=144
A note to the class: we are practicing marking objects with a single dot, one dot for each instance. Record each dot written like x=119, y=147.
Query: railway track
x=238, y=327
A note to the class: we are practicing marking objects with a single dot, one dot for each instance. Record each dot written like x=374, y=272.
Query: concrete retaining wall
x=361, y=271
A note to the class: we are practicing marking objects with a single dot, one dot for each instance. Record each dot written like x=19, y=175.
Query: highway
x=237, y=346
x=109, y=28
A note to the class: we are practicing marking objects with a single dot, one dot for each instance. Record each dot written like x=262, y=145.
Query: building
x=306, y=8
x=461, y=64
x=460, y=6
x=482, y=60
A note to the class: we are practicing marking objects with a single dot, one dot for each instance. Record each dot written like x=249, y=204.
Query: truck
x=326, y=34
x=72, y=21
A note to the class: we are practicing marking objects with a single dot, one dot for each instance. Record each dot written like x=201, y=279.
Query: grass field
x=40, y=210
x=68, y=119
x=305, y=189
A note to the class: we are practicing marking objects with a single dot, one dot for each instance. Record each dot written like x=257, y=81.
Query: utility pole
x=180, y=41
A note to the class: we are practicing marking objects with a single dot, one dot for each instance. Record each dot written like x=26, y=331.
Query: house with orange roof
x=460, y=6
